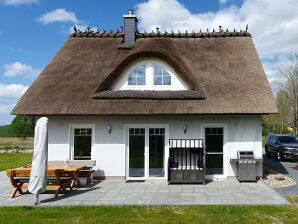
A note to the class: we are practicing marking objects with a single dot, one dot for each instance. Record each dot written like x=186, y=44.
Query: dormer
x=149, y=74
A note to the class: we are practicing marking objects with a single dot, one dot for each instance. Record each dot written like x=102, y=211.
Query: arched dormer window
x=149, y=74
x=137, y=76
x=161, y=75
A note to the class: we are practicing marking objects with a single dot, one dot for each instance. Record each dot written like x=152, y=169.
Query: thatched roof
x=150, y=94
x=223, y=71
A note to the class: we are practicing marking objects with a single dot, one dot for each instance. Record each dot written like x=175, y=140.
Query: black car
x=282, y=147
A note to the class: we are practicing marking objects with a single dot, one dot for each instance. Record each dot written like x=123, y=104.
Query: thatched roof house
x=208, y=84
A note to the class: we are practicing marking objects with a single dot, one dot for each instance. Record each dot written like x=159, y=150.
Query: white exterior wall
x=241, y=133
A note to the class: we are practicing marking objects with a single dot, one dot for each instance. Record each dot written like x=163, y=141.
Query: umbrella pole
x=37, y=199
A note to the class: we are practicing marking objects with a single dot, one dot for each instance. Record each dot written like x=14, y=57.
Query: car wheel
x=278, y=156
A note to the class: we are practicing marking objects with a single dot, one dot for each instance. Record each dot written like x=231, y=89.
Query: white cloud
x=62, y=15
x=58, y=15
x=9, y=95
x=19, y=2
x=11, y=91
x=81, y=27
x=272, y=23
x=5, y=109
x=19, y=69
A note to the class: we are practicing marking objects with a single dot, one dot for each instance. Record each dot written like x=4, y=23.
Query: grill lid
x=245, y=154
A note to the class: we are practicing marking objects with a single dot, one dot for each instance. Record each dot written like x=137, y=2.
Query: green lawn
x=14, y=160
x=150, y=214
x=7, y=143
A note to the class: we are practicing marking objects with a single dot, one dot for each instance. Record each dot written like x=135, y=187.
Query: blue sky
x=32, y=31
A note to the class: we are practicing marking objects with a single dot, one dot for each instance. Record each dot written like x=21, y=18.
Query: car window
x=287, y=139
x=274, y=139
x=269, y=139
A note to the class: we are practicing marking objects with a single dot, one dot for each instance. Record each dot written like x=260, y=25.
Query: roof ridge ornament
x=89, y=32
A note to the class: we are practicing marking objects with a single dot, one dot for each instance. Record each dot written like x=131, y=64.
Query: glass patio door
x=214, y=141
x=146, y=153
x=136, y=152
x=156, y=152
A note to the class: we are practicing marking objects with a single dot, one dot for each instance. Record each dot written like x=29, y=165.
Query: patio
x=112, y=192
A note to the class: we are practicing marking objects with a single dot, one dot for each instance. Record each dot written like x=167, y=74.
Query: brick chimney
x=130, y=29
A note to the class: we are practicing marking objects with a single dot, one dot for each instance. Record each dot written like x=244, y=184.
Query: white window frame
x=146, y=153
x=72, y=127
x=176, y=83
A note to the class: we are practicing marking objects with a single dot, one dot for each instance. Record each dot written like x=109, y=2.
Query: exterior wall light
x=109, y=128
x=185, y=128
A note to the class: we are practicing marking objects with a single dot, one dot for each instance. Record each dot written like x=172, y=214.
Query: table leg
x=76, y=179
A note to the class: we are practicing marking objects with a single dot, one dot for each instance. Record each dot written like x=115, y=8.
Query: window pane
x=141, y=80
x=137, y=131
x=141, y=70
x=136, y=152
x=214, y=164
x=131, y=131
x=157, y=80
x=82, y=147
x=157, y=70
x=82, y=143
x=151, y=131
x=137, y=76
x=161, y=76
x=167, y=80
x=156, y=153
x=132, y=81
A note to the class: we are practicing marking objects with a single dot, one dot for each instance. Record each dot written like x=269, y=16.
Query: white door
x=136, y=153
x=214, y=140
x=146, y=152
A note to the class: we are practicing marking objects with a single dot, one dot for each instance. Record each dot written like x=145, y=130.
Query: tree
x=22, y=126
x=286, y=121
x=289, y=91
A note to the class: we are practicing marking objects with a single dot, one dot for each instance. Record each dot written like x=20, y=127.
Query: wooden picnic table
x=73, y=171
x=58, y=177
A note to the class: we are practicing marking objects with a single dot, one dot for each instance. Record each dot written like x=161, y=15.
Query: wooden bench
x=56, y=180
x=85, y=172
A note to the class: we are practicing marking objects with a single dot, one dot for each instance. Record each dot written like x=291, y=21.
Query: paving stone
x=151, y=193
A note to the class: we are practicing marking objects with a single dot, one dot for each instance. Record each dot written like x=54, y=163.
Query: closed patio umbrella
x=38, y=175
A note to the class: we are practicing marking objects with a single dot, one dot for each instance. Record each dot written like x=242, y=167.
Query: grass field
x=7, y=143
x=13, y=160
x=150, y=214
